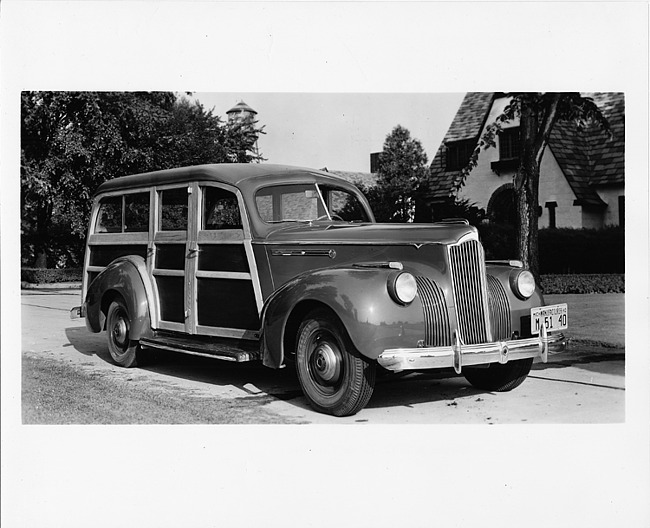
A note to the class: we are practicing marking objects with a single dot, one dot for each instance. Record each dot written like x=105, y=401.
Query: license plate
x=554, y=317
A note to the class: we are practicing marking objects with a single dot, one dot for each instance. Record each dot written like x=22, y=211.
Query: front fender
x=360, y=299
x=127, y=277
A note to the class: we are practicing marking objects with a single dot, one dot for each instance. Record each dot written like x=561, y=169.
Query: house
x=582, y=174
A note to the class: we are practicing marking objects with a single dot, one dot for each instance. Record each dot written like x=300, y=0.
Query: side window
x=220, y=209
x=136, y=213
x=173, y=209
x=109, y=219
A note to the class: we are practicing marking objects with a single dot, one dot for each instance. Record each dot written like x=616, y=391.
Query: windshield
x=308, y=203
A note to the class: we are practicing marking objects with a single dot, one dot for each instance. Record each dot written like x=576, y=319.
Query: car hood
x=371, y=233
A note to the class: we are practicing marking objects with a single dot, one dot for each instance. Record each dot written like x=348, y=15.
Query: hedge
x=563, y=251
x=552, y=284
x=46, y=275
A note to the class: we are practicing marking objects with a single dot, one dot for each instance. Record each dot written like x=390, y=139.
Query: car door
x=226, y=298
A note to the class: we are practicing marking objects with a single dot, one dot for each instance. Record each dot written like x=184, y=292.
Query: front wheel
x=499, y=377
x=333, y=376
x=118, y=329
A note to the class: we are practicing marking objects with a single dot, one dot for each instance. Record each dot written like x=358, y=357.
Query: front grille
x=468, y=272
x=436, y=317
x=499, y=309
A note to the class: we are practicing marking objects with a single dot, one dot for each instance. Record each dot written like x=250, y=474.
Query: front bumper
x=459, y=355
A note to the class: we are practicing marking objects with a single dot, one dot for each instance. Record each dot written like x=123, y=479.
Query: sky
x=339, y=130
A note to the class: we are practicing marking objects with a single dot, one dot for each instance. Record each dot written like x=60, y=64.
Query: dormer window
x=509, y=151
x=458, y=154
x=509, y=146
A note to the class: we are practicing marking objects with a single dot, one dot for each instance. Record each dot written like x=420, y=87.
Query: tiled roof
x=587, y=159
x=368, y=179
x=467, y=125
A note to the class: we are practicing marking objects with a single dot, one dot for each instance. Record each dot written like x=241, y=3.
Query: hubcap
x=326, y=363
x=120, y=331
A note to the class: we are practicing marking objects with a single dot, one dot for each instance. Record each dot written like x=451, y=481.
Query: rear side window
x=173, y=209
x=136, y=213
x=124, y=214
x=220, y=209
x=109, y=219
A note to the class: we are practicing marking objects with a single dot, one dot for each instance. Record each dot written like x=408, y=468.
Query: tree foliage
x=402, y=176
x=71, y=142
x=537, y=112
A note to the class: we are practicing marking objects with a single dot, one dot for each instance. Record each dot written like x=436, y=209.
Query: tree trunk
x=527, y=190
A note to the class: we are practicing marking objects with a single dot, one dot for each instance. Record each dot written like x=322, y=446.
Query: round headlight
x=402, y=288
x=524, y=284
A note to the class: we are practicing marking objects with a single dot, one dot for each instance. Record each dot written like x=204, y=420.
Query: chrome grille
x=468, y=278
x=499, y=309
x=436, y=317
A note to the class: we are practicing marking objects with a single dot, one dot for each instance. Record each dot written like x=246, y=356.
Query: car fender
x=127, y=277
x=358, y=296
x=519, y=308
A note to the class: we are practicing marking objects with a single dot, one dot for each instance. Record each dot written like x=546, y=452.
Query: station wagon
x=287, y=266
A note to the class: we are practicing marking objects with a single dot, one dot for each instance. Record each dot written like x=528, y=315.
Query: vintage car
x=286, y=265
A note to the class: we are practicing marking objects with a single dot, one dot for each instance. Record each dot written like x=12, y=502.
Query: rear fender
x=125, y=277
x=359, y=298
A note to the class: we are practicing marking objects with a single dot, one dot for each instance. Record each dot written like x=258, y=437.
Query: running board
x=216, y=348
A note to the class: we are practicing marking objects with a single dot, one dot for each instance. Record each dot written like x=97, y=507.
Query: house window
x=509, y=146
x=621, y=211
x=458, y=154
x=375, y=162
x=551, y=206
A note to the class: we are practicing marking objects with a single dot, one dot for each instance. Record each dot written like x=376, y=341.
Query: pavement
x=594, y=319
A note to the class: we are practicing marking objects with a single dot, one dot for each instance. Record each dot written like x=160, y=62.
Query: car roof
x=248, y=176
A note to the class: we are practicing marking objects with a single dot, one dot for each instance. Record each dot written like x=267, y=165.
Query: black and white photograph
x=259, y=256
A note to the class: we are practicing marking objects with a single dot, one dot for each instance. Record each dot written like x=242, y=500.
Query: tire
x=118, y=327
x=499, y=377
x=333, y=376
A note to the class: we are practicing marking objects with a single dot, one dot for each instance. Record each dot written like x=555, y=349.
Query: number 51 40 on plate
x=554, y=317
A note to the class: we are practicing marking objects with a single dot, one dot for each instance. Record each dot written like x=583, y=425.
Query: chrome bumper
x=459, y=355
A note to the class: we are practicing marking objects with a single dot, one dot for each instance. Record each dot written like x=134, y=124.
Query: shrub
x=584, y=251
x=563, y=251
x=593, y=283
x=46, y=276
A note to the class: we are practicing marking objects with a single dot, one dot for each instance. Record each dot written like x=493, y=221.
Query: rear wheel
x=118, y=330
x=334, y=377
x=499, y=377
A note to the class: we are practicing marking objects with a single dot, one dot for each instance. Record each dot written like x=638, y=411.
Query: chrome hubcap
x=326, y=363
x=120, y=332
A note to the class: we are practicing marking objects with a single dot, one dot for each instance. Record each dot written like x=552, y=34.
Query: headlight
x=402, y=288
x=523, y=284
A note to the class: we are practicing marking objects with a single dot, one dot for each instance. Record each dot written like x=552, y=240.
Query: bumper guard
x=459, y=355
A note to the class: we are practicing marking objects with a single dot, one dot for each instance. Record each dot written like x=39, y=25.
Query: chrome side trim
x=459, y=355
x=304, y=253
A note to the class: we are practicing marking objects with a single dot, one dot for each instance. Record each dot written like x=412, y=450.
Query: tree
x=402, y=174
x=538, y=112
x=71, y=142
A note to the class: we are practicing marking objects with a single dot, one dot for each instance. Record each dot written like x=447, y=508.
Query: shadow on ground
x=255, y=380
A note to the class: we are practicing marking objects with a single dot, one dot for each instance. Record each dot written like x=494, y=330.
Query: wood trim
x=175, y=327
x=108, y=239
x=170, y=237
x=234, y=275
x=251, y=335
x=168, y=273
x=224, y=236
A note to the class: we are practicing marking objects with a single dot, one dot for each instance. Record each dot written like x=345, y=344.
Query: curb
x=51, y=286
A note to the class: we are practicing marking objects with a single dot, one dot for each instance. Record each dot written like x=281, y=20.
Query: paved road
x=585, y=385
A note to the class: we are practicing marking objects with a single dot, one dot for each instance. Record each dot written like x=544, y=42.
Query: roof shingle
x=588, y=158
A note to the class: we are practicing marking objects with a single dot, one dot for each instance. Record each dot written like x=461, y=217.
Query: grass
x=59, y=393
